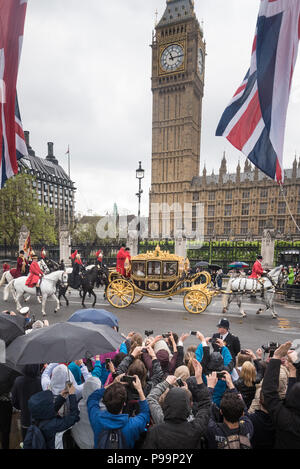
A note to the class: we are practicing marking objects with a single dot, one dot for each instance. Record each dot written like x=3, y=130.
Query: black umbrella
x=11, y=327
x=215, y=266
x=63, y=342
x=201, y=264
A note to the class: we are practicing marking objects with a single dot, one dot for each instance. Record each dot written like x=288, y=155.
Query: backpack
x=111, y=439
x=236, y=441
x=34, y=438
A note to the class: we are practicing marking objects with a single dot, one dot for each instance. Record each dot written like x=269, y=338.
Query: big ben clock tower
x=178, y=66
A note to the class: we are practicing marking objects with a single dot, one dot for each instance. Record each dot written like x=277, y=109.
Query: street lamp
x=140, y=173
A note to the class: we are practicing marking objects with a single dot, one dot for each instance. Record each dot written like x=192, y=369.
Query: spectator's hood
x=176, y=405
x=41, y=406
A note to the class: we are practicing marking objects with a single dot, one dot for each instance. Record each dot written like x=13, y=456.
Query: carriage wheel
x=137, y=298
x=195, y=301
x=120, y=293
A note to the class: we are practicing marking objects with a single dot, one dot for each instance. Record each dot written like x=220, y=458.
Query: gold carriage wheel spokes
x=120, y=293
x=137, y=297
x=195, y=301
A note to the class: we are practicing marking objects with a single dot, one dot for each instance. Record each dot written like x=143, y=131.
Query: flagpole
x=69, y=164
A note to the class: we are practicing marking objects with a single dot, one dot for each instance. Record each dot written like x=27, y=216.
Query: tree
x=19, y=206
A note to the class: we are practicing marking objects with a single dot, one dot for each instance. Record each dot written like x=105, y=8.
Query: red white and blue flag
x=254, y=122
x=12, y=141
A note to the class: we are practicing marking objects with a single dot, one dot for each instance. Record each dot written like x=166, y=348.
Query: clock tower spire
x=178, y=67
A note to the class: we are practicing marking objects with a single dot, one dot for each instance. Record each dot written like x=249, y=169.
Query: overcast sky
x=85, y=81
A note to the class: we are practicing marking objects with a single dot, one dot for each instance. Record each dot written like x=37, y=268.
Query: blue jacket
x=44, y=410
x=101, y=420
x=221, y=386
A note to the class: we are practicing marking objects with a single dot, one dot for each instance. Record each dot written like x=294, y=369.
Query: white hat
x=24, y=310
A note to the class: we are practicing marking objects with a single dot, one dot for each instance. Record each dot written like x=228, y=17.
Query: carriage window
x=138, y=269
x=154, y=268
x=170, y=268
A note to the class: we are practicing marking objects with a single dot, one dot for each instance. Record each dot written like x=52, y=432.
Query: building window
x=195, y=196
x=210, y=227
x=211, y=196
x=298, y=207
x=281, y=208
x=228, y=195
x=244, y=227
x=261, y=226
x=246, y=194
x=263, y=193
x=281, y=225
x=263, y=208
x=194, y=211
x=245, y=209
x=211, y=211
x=227, y=210
x=227, y=227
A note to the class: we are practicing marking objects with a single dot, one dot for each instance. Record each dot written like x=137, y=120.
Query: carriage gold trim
x=159, y=274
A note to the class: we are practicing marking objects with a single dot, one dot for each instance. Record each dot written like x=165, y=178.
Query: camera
x=180, y=382
x=193, y=332
x=148, y=333
x=127, y=379
x=270, y=348
x=166, y=335
x=220, y=374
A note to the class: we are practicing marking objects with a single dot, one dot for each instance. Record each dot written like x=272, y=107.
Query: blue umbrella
x=96, y=316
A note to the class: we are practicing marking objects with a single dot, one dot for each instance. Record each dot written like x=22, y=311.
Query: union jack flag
x=12, y=141
x=254, y=122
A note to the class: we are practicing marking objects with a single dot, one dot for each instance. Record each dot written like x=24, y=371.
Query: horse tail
x=7, y=290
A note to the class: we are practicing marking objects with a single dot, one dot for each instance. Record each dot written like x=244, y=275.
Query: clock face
x=200, y=61
x=172, y=57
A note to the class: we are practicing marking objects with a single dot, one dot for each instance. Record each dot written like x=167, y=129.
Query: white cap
x=24, y=310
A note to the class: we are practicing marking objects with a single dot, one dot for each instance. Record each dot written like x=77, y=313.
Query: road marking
x=199, y=314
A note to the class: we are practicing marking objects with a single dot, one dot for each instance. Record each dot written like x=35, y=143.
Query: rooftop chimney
x=30, y=150
x=50, y=156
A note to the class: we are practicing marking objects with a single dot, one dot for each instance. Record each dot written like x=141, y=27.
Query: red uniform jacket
x=20, y=270
x=5, y=267
x=99, y=255
x=257, y=270
x=34, y=275
x=121, y=256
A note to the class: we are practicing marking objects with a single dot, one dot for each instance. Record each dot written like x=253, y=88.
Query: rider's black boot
x=38, y=292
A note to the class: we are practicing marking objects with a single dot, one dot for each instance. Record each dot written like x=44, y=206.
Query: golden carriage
x=159, y=274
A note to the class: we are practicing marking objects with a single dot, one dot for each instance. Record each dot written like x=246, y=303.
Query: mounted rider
x=257, y=270
x=78, y=268
x=35, y=275
x=22, y=266
x=99, y=257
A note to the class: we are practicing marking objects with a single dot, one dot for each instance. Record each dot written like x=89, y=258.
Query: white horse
x=238, y=286
x=7, y=277
x=47, y=285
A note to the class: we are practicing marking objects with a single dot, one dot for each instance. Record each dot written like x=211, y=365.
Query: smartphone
x=193, y=332
x=220, y=374
x=166, y=335
x=127, y=379
x=107, y=361
x=180, y=382
x=144, y=350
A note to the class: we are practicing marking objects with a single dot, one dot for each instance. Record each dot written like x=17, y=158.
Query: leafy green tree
x=19, y=206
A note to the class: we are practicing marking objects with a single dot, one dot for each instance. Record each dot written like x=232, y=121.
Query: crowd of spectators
x=156, y=393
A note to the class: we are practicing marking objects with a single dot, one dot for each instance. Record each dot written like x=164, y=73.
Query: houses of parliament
x=236, y=206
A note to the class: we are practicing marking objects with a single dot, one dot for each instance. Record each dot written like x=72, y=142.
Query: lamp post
x=139, y=175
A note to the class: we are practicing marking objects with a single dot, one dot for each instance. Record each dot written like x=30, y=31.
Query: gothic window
x=211, y=196
x=281, y=225
x=228, y=195
x=263, y=208
x=246, y=194
x=227, y=227
x=245, y=209
x=228, y=210
x=210, y=227
x=244, y=227
x=298, y=207
x=281, y=208
x=196, y=196
x=211, y=211
x=263, y=193
x=261, y=226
